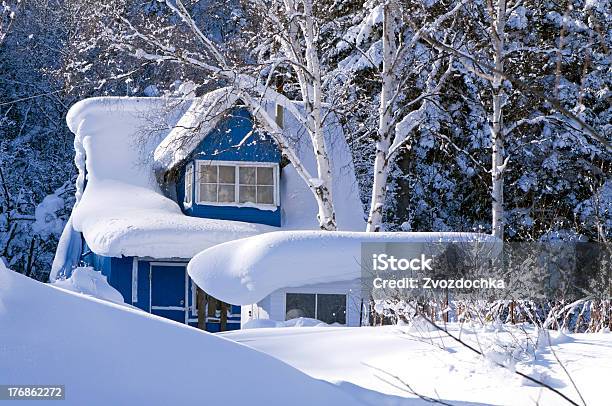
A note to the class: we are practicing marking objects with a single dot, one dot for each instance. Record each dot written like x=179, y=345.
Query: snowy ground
x=109, y=354
x=373, y=363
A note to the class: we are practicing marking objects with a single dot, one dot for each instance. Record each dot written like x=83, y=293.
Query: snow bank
x=106, y=354
x=87, y=281
x=376, y=363
x=547, y=338
x=298, y=322
x=420, y=325
x=122, y=210
x=245, y=271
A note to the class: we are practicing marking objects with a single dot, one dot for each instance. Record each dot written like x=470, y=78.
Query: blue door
x=169, y=297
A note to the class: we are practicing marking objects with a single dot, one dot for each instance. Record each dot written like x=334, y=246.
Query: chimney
x=280, y=116
x=280, y=111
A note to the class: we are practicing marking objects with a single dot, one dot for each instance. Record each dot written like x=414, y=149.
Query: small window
x=329, y=308
x=300, y=305
x=188, y=185
x=225, y=183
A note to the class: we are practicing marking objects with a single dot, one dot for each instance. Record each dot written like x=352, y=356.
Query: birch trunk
x=385, y=124
x=379, y=188
x=323, y=187
x=497, y=141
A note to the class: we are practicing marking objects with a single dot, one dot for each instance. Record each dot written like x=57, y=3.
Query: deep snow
x=385, y=365
x=247, y=270
x=88, y=281
x=107, y=354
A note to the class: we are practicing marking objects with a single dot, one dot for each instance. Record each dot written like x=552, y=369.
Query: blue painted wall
x=221, y=145
x=119, y=274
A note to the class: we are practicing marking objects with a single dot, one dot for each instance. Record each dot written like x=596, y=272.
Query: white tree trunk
x=313, y=100
x=497, y=142
x=379, y=188
x=385, y=123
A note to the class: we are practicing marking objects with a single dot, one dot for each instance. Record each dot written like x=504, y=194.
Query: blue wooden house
x=160, y=181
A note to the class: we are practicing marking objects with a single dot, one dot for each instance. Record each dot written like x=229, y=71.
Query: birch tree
x=498, y=17
x=488, y=64
x=397, y=120
x=298, y=38
x=287, y=41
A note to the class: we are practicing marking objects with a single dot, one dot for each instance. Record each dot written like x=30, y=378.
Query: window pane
x=208, y=192
x=247, y=194
x=208, y=174
x=247, y=175
x=227, y=174
x=331, y=308
x=227, y=194
x=265, y=194
x=300, y=305
x=265, y=176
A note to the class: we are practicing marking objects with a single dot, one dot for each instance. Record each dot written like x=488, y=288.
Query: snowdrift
x=245, y=271
x=107, y=354
x=88, y=281
x=366, y=361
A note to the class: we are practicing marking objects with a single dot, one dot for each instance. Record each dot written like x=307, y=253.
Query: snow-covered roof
x=123, y=212
x=198, y=121
x=245, y=271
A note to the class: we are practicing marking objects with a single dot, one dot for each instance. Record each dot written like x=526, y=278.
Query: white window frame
x=237, y=165
x=191, y=179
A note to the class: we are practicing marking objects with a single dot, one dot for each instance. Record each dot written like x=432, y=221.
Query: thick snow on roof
x=122, y=210
x=245, y=271
x=108, y=354
x=200, y=118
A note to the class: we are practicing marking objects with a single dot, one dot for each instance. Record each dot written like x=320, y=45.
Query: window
x=300, y=305
x=217, y=184
x=188, y=185
x=256, y=184
x=227, y=183
x=329, y=308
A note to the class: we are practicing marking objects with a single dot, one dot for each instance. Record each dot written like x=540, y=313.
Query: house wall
x=226, y=143
x=273, y=306
x=131, y=277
